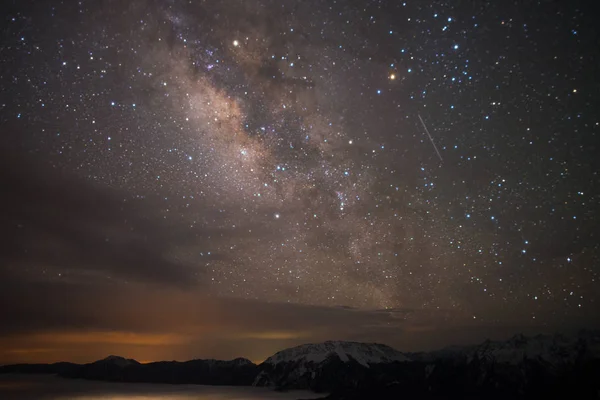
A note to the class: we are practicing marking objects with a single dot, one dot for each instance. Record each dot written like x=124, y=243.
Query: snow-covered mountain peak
x=363, y=353
x=552, y=349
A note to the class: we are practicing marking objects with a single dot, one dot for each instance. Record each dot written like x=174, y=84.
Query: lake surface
x=49, y=387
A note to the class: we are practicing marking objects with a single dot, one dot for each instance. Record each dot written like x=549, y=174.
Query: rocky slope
x=327, y=366
x=544, y=366
x=549, y=349
x=521, y=367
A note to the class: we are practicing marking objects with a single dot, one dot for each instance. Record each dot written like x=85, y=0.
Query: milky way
x=274, y=151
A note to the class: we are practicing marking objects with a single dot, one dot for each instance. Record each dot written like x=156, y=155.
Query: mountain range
x=521, y=367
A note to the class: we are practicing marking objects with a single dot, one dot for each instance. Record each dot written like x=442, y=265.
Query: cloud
x=272, y=335
x=146, y=321
x=53, y=222
x=110, y=337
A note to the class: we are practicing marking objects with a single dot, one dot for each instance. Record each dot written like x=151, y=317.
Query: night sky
x=194, y=179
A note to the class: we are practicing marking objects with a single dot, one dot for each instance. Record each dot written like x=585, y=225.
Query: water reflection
x=29, y=387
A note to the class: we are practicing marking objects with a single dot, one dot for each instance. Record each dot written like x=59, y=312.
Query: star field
x=368, y=154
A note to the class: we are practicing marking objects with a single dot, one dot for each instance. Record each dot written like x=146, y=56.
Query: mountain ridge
x=363, y=353
x=518, y=367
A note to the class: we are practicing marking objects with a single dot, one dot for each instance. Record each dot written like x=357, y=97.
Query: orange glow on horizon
x=112, y=337
x=85, y=346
